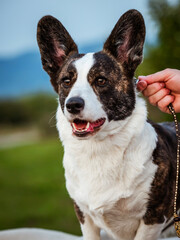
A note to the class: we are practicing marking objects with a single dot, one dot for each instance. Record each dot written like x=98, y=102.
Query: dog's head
x=93, y=88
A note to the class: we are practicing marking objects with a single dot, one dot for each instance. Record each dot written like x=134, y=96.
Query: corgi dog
x=120, y=168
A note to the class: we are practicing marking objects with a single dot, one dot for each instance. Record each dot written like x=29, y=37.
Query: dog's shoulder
x=167, y=141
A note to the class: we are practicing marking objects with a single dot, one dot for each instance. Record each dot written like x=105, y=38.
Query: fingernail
x=141, y=85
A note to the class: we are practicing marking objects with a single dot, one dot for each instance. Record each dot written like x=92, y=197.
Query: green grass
x=32, y=188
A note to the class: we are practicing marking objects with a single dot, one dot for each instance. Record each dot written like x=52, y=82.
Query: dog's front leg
x=89, y=229
x=148, y=232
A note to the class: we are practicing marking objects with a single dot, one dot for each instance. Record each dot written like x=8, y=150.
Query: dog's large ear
x=126, y=40
x=55, y=45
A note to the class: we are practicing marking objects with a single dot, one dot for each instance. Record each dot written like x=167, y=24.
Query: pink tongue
x=80, y=125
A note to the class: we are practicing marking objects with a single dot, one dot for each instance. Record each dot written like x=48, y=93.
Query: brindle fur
x=161, y=198
x=79, y=214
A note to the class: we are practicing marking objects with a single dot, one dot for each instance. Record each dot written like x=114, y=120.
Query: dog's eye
x=66, y=82
x=100, y=81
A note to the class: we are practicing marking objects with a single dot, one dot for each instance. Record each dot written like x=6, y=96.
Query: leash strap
x=176, y=217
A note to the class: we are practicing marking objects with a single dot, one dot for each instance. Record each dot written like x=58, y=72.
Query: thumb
x=141, y=85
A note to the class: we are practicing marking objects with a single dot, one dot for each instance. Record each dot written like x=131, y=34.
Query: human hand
x=162, y=88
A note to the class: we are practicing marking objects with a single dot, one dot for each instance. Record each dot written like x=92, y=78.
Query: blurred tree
x=166, y=52
x=38, y=110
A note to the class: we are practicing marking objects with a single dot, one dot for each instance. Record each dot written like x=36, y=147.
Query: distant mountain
x=24, y=75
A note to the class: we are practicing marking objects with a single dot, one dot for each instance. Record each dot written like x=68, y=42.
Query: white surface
x=42, y=234
x=34, y=234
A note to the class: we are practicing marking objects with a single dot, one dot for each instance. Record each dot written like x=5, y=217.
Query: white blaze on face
x=93, y=108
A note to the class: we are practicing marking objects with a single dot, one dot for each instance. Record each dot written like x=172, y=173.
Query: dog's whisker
x=53, y=118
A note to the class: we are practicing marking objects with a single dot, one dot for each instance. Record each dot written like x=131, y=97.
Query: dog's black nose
x=75, y=105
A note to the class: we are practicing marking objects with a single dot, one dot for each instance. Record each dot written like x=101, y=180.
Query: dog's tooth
x=74, y=126
x=87, y=126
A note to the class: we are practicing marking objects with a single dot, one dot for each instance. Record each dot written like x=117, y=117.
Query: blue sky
x=87, y=21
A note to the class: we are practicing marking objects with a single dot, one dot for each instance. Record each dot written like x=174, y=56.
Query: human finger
x=161, y=76
x=153, y=88
x=164, y=102
x=141, y=85
x=155, y=98
x=176, y=103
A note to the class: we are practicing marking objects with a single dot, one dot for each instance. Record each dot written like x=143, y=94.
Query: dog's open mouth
x=82, y=128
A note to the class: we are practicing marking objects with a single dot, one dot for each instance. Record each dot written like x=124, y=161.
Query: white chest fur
x=110, y=177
